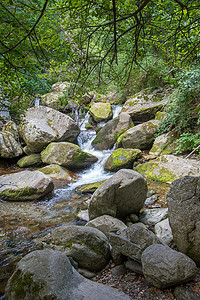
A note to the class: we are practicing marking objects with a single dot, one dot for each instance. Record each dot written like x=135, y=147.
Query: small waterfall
x=116, y=110
x=37, y=101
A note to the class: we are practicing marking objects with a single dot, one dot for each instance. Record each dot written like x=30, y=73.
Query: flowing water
x=21, y=222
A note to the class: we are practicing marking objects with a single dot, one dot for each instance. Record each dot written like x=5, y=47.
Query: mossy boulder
x=68, y=155
x=164, y=144
x=30, y=160
x=122, y=158
x=107, y=136
x=139, y=137
x=89, y=187
x=101, y=111
x=143, y=106
x=58, y=172
x=9, y=146
x=52, y=100
x=167, y=168
x=88, y=246
x=42, y=125
x=48, y=274
x=25, y=185
x=59, y=87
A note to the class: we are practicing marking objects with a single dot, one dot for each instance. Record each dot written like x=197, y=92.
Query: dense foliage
x=99, y=45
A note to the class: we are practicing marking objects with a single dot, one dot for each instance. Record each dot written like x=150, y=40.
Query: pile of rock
x=106, y=236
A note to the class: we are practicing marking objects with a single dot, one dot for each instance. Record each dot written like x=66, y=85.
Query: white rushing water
x=95, y=172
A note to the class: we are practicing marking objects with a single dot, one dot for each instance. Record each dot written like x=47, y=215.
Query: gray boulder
x=167, y=168
x=42, y=125
x=122, y=194
x=140, y=136
x=88, y=246
x=107, y=224
x=48, y=274
x=143, y=106
x=68, y=155
x=183, y=293
x=164, y=267
x=107, y=136
x=9, y=147
x=132, y=241
x=25, y=185
x=184, y=215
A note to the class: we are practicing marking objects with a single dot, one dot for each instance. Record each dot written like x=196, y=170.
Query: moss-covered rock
x=107, y=136
x=139, y=137
x=25, y=185
x=86, y=245
x=164, y=144
x=29, y=160
x=101, y=111
x=68, y=155
x=143, y=106
x=58, y=172
x=122, y=158
x=167, y=168
x=89, y=187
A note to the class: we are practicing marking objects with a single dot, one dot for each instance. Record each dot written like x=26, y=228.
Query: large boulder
x=25, y=185
x=9, y=146
x=122, y=159
x=140, y=136
x=68, y=155
x=132, y=241
x=165, y=267
x=60, y=87
x=48, y=274
x=58, y=172
x=122, y=194
x=88, y=246
x=42, y=125
x=143, y=106
x=184, y=215
x=53, y=100
x=167, y=168
x=107, y=136
x=101, y=111
x=107, y=224
x=164, y=144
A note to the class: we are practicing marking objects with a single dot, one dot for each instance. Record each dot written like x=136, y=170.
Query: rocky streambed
x=126, y=212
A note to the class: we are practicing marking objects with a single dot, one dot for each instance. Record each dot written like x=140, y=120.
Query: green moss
x=23, y=284
x=101, y=111
x=20, y=194
x=89, y=188
x=119, y=133
x=29, y=160
x=122, y=158
x=81, y=157
x=163, y=175
x=97, y=140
